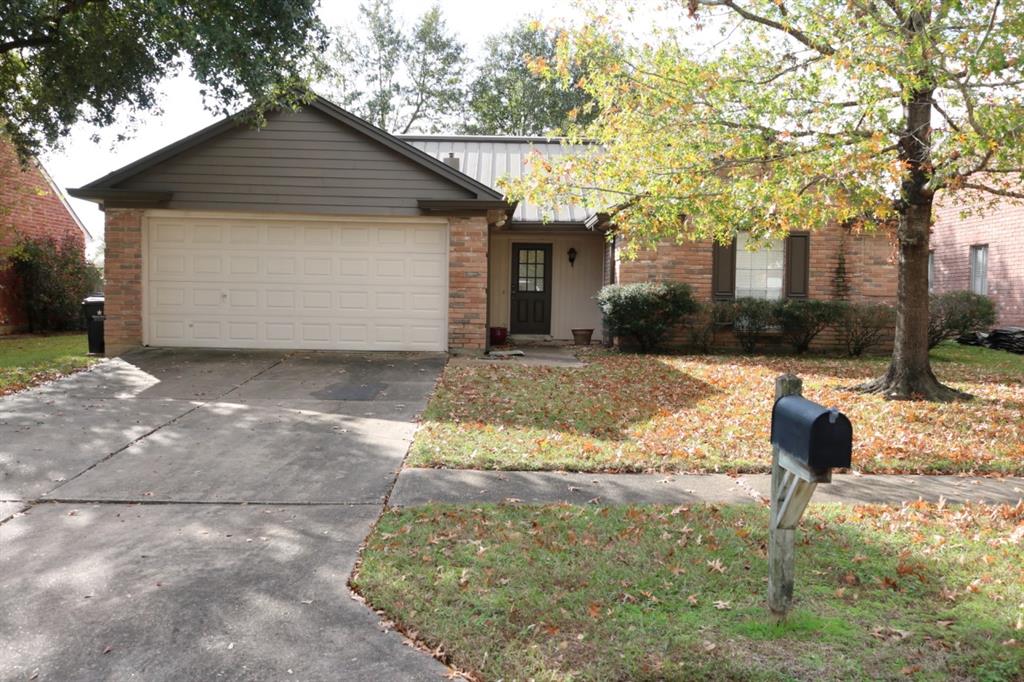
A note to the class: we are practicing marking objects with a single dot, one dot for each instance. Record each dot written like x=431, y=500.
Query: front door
x=531, y=289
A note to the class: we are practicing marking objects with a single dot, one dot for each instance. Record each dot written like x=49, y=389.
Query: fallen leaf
x=723, y=605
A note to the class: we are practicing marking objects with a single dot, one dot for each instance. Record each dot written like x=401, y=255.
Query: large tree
x=65, y=61
x=801, y=114
x=510, y=94
x=400, y=80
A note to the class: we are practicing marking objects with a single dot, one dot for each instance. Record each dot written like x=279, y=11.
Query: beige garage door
x=296, y=283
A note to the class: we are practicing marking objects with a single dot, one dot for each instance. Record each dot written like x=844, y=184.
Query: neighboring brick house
x=31, y=206
x=321, y=231
x=983, y=253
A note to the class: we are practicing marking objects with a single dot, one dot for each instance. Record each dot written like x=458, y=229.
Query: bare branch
x=994, y=190
x=822, y=48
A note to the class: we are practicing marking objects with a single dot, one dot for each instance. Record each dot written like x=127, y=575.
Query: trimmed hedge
x=803, y=319
x=645, y=312
x=863, y=325
x=957, y=313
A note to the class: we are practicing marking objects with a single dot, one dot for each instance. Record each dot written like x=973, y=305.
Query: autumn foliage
x=709, y=413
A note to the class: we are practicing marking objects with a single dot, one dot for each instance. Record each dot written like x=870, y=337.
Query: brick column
x=467, y=284
x=122, y=268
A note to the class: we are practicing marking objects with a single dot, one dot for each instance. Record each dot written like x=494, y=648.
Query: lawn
x=655, y=593
x=625, y=412
x=28, y=360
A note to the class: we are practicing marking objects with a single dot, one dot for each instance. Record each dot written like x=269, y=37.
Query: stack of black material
x=1007, y=338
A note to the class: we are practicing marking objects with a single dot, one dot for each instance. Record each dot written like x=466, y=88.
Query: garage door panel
x=296, y=284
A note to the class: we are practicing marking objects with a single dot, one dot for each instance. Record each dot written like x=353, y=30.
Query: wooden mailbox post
x=808, y=441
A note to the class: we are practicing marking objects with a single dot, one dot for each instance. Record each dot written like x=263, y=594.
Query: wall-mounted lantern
x=572, y=257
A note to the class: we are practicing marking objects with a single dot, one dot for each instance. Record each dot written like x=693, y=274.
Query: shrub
x=862, y=325
x=705, y=321
x=750, y=318
x=803, y=319
x=957, y=313
x=55, y=277
x=645, y=312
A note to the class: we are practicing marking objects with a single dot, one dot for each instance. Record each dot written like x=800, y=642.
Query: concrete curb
x=457, y=486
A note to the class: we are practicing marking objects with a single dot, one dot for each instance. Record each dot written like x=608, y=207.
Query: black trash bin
x=92, y=308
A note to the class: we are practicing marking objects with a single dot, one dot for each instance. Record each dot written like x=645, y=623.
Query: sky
x=81, y=159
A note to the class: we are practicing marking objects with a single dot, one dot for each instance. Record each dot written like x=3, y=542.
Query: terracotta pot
x=581, y=337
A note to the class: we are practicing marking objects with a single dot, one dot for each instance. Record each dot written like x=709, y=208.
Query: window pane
x=979, y=269
x=759, y=274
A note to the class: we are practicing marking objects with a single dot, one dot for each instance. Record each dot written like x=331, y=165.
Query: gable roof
x=110, y=188
x=489, y=158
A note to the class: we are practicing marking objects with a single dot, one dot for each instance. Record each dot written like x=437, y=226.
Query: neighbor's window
x=759, y=274
x=979, y=269
x=931, y=270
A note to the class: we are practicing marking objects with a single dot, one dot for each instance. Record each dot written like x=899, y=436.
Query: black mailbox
x=819, y=437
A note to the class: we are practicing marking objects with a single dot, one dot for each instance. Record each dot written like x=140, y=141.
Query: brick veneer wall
x=1002, y=229
x=123, y=273
x=467, y=276
x=467, y=284
x=870, y=274
x=29, y=207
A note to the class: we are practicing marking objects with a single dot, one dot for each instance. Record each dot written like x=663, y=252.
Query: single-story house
x=321, y=231
x=981, y=252
x=31, y=206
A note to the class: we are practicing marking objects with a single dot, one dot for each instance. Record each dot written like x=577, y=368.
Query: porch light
x=572, y=257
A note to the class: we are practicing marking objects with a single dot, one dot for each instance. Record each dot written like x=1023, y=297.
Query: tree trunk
x=910, y=374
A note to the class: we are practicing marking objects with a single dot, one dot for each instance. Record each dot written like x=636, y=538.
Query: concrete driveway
x=184, y=515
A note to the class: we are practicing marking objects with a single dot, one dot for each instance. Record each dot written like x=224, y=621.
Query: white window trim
x=975, y=250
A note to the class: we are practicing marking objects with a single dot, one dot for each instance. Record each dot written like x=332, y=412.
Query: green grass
x=28, y=360
x=975, y=356
x=625, y=412
x=629, y=593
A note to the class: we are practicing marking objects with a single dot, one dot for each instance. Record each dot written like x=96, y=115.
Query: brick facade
x=869, y=262
x=467, y=276
x=1002, y=229
x=467, y=284
x=123, y=273
x=29, y=207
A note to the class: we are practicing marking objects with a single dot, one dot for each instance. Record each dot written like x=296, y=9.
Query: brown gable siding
x=301, y=162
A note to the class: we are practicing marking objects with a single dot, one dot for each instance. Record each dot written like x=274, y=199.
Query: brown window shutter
x=723, y=271
x=798, y=265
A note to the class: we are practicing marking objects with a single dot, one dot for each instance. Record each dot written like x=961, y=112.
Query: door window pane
x=979, y=269
x=759, y=274
x=531, y=270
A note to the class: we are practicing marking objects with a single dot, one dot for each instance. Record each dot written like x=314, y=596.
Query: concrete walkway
x=420, y=486
x=195, y=515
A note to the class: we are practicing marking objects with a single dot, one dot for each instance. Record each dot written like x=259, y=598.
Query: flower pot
x=499, y=336
x=581, y=337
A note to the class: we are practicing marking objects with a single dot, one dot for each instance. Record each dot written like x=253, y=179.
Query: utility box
x=92, y=309
x=818, y=437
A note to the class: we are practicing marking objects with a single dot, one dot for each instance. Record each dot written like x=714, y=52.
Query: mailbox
x=818, y=437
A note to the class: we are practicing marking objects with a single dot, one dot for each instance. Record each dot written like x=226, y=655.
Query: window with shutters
x=771, y=272
x=979, y=269
x=760, y=273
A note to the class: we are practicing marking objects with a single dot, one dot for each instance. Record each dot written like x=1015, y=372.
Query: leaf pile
x=709, y=413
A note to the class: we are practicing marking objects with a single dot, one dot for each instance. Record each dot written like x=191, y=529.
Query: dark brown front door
x=531, y=289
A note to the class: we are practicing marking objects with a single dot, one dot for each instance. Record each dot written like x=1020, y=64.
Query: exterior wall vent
x=452, y=160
